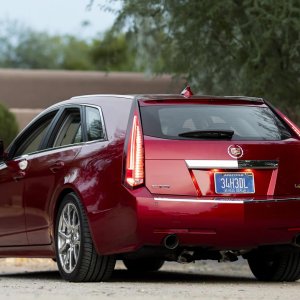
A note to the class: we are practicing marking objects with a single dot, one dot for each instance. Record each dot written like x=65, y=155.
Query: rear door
x=213, y=149
x=50, y=169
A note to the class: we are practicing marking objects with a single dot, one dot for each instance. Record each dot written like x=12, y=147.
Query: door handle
x=19, y=175
x=57, y=166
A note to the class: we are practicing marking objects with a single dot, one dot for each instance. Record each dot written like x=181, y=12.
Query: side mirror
x=1, y=150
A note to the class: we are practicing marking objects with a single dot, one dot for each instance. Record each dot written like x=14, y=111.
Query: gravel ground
x=39, y=279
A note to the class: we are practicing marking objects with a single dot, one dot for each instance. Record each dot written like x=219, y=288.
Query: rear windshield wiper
x=208, y=134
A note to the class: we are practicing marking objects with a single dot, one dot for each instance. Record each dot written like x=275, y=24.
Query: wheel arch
x=89, y=265
x=56, y=203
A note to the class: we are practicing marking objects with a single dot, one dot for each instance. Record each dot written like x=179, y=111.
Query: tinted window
x=33, y=136
x=94, y=124
x=247, y=122
x=70, y=130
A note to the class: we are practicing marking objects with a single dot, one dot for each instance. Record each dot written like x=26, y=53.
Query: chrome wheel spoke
x=70, y=259
x=65, y=259
x=69, y=214
x=74, y=218
x=63, y=235
x=63, y=248
x=77, y=243
x=76, y=227
x=65, y=221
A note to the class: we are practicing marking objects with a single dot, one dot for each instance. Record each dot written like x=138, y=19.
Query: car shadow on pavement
x=153, y=277
x=176, y=277
x=33, y=275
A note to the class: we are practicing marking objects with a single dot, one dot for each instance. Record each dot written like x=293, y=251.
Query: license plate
x=234, y=183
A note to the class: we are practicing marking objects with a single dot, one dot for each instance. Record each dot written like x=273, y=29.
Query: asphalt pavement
x=39, y=279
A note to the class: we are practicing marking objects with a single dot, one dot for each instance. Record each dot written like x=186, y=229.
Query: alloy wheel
x=69, y=237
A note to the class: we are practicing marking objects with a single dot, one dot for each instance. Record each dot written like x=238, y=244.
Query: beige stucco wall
x=24, y=115
x=26, y=92
x=40, y=88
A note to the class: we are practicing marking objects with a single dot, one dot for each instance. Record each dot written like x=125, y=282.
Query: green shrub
x=8, y=125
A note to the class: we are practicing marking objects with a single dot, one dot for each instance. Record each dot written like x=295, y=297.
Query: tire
x=275, y=266
x=76, y=256
x=143, y=265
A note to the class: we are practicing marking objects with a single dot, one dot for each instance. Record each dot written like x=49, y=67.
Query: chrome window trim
x=63, y=146
x=232, y=164
x=3, y=166
x=95, y=141
x=48, y=150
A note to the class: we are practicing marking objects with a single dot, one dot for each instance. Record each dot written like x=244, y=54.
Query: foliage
x=22, y=47
x=76, y=54
x=222, y=47
x=114, y=53
x=8, y=125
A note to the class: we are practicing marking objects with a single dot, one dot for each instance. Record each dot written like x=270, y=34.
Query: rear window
x=242, y=122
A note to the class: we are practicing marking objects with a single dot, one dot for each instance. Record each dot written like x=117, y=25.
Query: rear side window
x=244, y=122
x=94, y=124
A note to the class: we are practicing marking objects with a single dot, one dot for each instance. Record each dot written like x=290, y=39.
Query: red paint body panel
x=44, y=251
x=166, y=158
x=40, y=180
x=12, y=214
x=175, y=198
x=219, y=226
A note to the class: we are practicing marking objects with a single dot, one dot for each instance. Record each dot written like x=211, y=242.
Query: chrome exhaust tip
x=171, y=241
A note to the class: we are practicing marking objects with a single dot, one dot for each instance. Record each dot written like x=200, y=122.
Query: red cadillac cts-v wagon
x=154, y=178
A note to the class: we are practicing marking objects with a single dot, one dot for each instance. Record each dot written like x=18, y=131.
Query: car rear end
x=213, y=173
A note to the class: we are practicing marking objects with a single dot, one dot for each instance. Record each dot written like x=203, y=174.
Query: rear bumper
x=218, y=223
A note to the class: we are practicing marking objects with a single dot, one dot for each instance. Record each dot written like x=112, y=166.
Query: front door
x=13, y=173
x=12, y=217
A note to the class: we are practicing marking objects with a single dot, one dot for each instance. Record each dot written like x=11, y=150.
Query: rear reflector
x=134, y=175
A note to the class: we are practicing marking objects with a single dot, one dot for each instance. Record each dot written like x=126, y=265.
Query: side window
x=33, y=136
x=94, y=124
x=70, y=129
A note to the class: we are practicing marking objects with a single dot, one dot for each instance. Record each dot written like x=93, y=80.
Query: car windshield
x=212, y=121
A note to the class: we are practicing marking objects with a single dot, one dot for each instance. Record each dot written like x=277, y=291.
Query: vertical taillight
x=134, y=173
